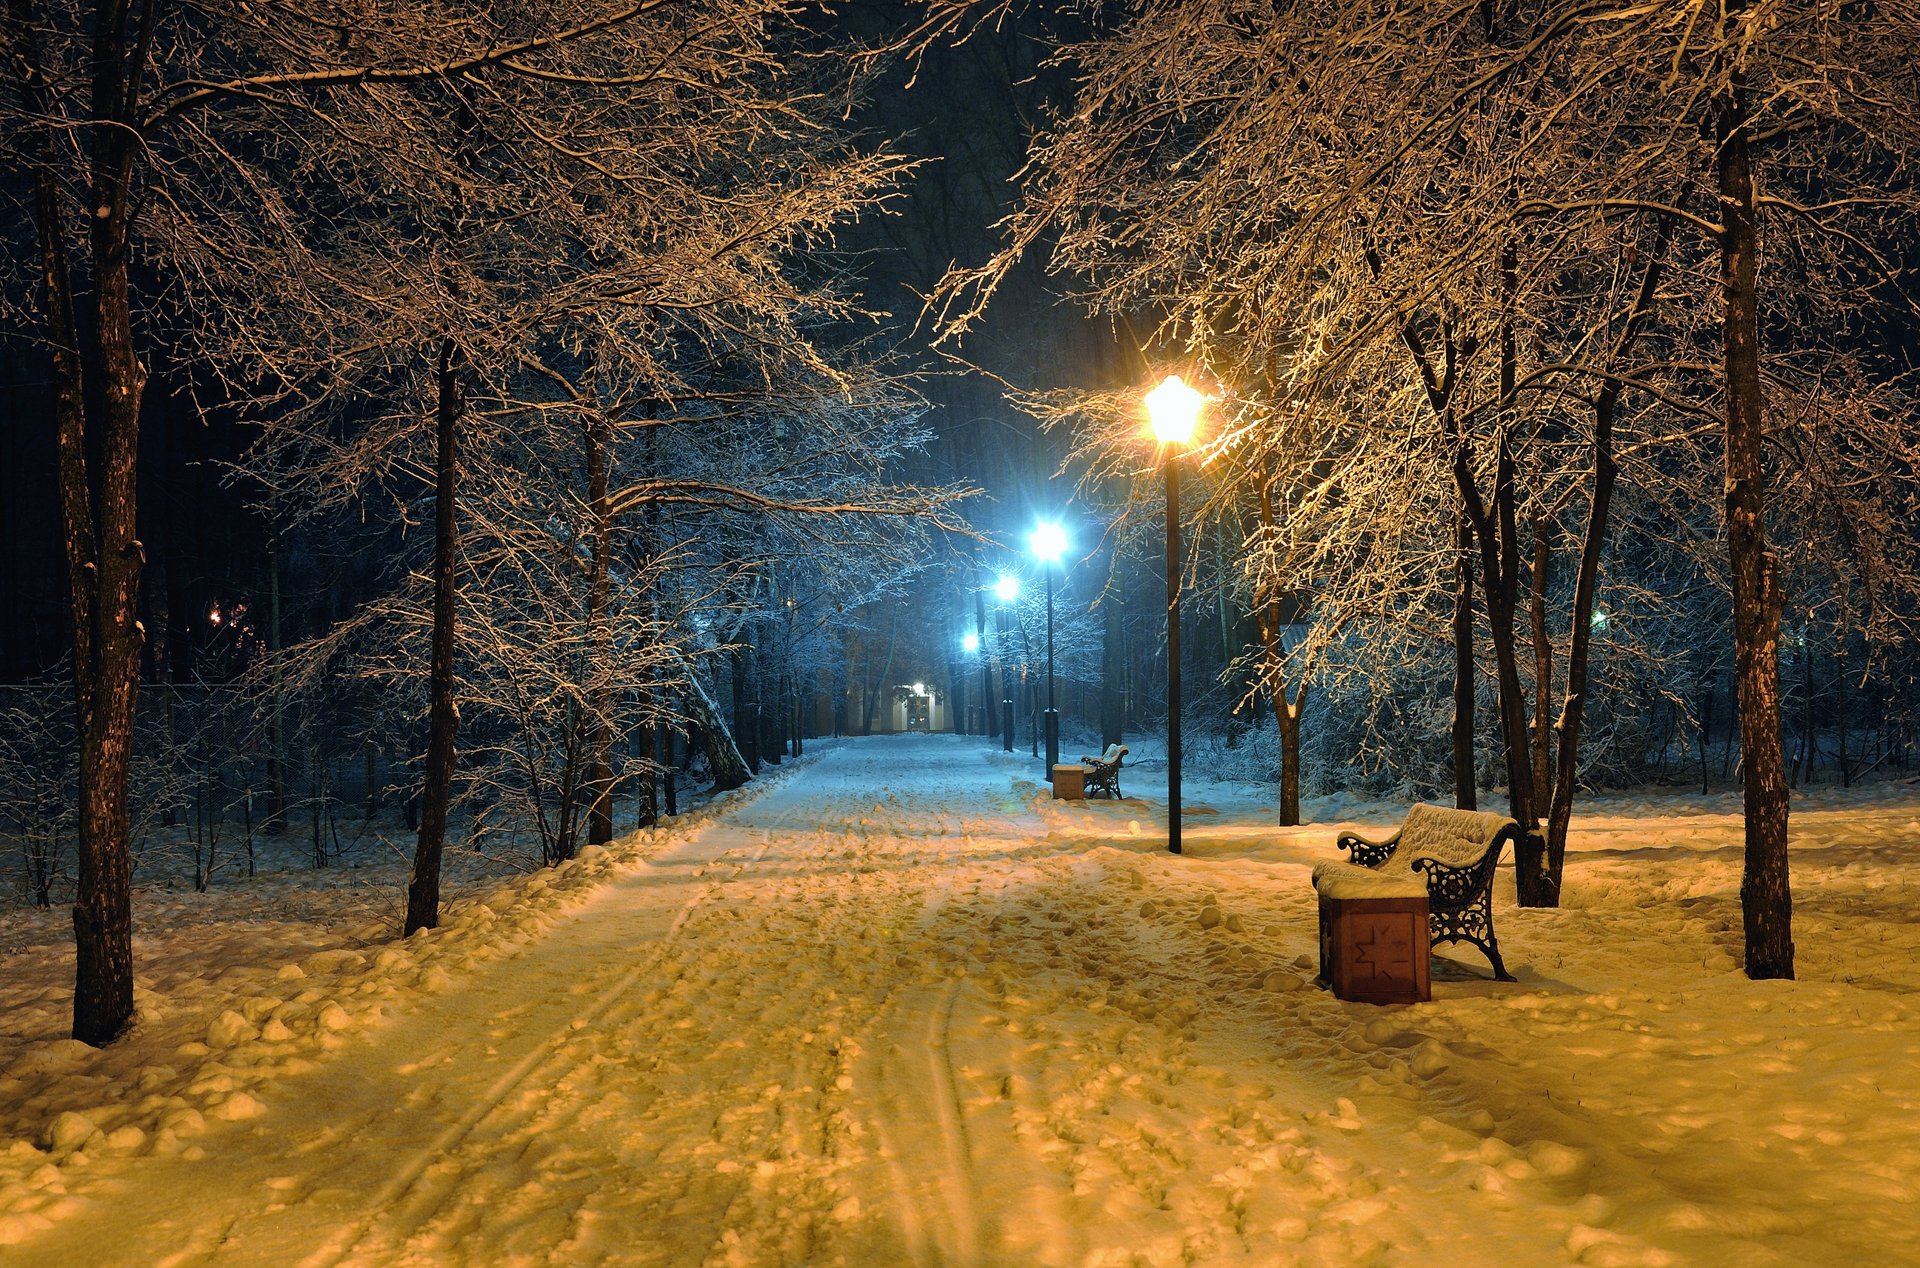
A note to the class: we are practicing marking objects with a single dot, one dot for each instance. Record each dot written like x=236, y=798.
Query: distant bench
x=1446, y=855
x=1103, y=772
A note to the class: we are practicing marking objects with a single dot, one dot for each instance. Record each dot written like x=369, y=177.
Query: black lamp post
x=1173, y=408
x=1048, y=542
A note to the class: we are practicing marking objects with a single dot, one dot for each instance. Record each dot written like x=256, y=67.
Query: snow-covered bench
x=1446, y=855
x=1103, y=772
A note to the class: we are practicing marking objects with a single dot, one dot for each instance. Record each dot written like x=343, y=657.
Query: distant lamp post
x=1048, y=542
x=1007, y=589
x=970, y=645
x=1173, y=410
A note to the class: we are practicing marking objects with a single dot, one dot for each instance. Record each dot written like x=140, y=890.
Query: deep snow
x=898, y=1007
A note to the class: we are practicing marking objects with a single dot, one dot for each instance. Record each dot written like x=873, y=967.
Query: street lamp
x=1173, y=409
x=1048, y=542
x=1007, y=589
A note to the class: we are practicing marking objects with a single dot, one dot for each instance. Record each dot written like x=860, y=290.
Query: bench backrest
x=1458, y=838
x=1113, y=754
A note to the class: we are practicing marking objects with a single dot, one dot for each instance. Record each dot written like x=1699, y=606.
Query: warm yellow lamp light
x=1174, y=410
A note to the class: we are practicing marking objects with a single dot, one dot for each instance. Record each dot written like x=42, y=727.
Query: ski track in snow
x=900, y=1008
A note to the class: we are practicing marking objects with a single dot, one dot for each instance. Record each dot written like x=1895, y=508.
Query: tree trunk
x=1499, y=567
x=742, y=736
x=1465, y=793
x=423, y=888
x=599, y=772
x=1564, y=770
x=277, y=749
x=1542, y=659
x=1113, y=702
x=98, y=503
x=1286, y=708
x=1765, y=897
x=705, y=727
x=1706, y=730
x=876, y=683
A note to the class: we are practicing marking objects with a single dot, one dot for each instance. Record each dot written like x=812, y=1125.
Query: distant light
x=1174, y=410
x=919, y=688
x=1008, y=587
x=970, y=642
x=1599, y=621
x=1048, y=542
x=214, y=616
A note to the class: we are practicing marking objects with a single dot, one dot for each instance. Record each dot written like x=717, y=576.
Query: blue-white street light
x=1048, y=542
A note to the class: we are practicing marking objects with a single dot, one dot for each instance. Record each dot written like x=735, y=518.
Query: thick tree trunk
x=97, y=502
x=1765, y=897
x=707, y=729
x=1289, y=718
x=423, y=888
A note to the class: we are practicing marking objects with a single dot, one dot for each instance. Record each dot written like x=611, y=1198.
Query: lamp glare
x=1048, y=542
x=1174, y=410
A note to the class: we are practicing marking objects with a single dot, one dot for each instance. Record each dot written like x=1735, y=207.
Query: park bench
x=1446, y=855
x=1103, y=772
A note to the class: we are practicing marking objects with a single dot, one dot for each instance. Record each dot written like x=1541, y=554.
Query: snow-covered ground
x=897, y=1007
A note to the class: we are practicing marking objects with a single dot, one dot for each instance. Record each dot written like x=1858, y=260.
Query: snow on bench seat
x=1345, y=881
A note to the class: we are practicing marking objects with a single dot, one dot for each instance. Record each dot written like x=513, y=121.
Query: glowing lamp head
x=1007, y=588
x=970, y=642
x=1174, y=410
x=919, y=688
x=214, y=616
x=1048, y=542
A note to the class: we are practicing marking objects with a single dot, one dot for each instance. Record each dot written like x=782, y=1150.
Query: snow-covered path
x=903, y=1010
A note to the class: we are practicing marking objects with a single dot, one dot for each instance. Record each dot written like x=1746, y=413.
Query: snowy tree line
x=539, y=303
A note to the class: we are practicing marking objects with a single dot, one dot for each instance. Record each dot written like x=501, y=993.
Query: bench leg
x=1472, y=924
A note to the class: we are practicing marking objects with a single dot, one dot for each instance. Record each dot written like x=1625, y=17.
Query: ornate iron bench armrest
x=1367, y=853
x=1450, y=888
x=1460, y=903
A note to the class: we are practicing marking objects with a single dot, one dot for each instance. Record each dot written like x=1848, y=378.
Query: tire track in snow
x=933, y=1190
